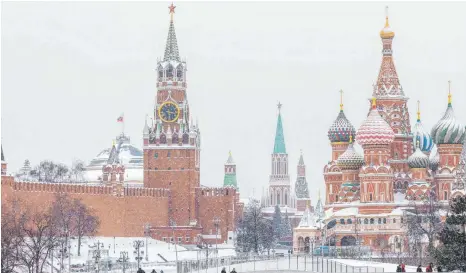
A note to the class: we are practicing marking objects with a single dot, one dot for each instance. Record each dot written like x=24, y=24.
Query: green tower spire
x=230, y=173
x=279, y=146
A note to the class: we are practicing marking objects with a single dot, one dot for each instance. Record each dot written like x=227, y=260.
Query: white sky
x=70, y=68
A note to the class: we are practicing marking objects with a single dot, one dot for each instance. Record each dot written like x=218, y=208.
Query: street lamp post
x=147, y=228
x=137, y=251
x=123, y=259
x=216, y=223
x=96, y=255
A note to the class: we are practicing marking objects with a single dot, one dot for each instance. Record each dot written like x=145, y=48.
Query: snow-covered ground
x=155, y=249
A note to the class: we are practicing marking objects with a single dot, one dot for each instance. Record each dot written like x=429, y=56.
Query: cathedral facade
x=366, y=195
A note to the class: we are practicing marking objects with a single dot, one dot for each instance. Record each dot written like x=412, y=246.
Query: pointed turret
x=3, y=164
x=171, y=49
x=388, y=84
x=308, y=218
x=145, y=131
x=301, y=187
x=279, y=146
x=319, y=211
x=230, y=173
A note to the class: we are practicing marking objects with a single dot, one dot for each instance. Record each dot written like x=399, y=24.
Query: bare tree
x=86, y=223
x=423, y=222
x=12, y=235
x=77, y=170
x=40, y=238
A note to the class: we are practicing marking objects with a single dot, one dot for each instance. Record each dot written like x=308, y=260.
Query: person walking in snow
x=419, y=269
x=439, y=268
x=403, y=267
x=224, y=270
x=140, y=271
x=430, y=268
x=161, y=271
x=398, y=268
x=233, y=271
x=153, y=271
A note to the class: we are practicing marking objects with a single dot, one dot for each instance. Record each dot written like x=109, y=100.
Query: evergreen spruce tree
x=286, y=227
x=451, y=255
x=277, y=224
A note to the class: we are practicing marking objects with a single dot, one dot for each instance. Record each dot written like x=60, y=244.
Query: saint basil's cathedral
x=366, y=195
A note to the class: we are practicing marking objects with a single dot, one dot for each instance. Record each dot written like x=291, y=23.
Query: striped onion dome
x=434, y=159
x=374, y=130
x=418, y=159
x=448, y=130
x=350, y=159
x=341, y=129
x=421, y=135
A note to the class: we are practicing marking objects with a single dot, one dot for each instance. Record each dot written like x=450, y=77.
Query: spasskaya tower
x=172, y=143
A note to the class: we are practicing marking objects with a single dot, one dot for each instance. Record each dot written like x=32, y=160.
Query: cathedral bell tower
x=392, y=105
x=172, y=143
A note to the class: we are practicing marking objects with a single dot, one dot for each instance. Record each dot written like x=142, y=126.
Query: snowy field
x=160, y=254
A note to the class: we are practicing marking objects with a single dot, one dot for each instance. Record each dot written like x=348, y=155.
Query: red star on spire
x=172, y=8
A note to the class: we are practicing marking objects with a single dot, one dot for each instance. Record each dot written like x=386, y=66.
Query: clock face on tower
x=169, y=111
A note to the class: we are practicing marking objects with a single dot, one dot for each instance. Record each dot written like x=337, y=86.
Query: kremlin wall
x=366, y=195
x=171, y=201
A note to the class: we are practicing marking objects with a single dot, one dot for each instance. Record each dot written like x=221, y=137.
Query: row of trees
x=445, y=241
x=33, y=235
x=49, y=171
x=257, y=234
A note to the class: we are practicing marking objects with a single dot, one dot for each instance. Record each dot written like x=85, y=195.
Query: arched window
x=170, y=71
x=185, y=138
x=394, y=220
x=286, y=199
x=366, y=221
x=349, y=221
x=336, y=198
x=384, y=220
x=380, y=221
x=175, y=138
x=278, y=198
x=163, y=139
x=179, y=73
x=342, y=221
x=372, y=221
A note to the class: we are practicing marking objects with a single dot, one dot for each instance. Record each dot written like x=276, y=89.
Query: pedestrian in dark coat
x=419, y=269
x=233, y=271
x=398, y=268
x=153, y=271
x=430, y=268
x=140, y=271
x=224, y=270
x=439, y=268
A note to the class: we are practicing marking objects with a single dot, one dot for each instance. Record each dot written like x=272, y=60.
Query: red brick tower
x=172, y=144
x=392, y=106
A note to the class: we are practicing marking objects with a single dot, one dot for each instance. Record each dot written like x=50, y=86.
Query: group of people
x=225, y=271
x=429, y=268
x=153, y=271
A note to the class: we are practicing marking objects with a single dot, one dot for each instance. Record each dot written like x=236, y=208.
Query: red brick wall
x=174, y=169
x=221, y=203
x=119, y=216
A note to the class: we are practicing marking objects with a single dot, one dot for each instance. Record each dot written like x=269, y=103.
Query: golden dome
x=387, y=32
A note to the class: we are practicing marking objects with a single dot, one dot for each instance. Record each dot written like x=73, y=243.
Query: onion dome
x=434, y=159
x=341, y=129
x=418, y=159
x=350, y=159
x=421, y=135
x=448, y=130
x=387, y=32
x=374, y=130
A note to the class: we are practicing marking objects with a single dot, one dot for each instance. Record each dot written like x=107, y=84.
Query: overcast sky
x=70, y=68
